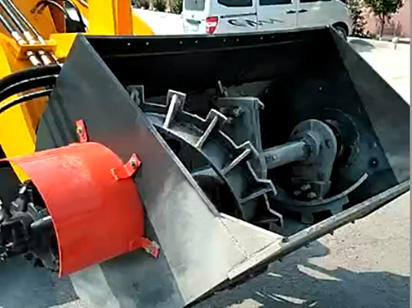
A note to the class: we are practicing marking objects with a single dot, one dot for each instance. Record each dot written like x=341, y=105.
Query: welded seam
x=233, y=238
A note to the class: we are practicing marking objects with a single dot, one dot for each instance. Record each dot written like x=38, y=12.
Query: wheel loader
x=155, y=171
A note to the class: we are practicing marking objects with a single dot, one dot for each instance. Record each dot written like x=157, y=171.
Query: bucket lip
x=306, y=29
x=279, y=249
x=165, y=44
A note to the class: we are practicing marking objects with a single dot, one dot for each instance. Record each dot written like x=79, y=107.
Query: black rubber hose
x=6, y=24
x=28, y=84
x=64, y=10
x=55, y=4
x=25, y=98
x=79, y=14
x=13, y=18
x=22, y=18
x=33, y=72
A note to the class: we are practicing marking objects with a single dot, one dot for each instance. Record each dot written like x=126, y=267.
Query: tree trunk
x=382, y=19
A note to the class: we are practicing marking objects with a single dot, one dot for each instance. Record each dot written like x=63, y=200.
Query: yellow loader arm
x=32, y=33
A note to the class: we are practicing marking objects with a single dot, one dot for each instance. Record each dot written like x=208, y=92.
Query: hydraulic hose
x=15, y=32
x=11, y=30
x=24, y=20
x=25, y=98
x=79, y=14
x=30, y=73
x=35, y=77
x=27, y=30
x=63, y=10
x=6, y=24
x=12, y=17
x=55, y=4
x=28, y=84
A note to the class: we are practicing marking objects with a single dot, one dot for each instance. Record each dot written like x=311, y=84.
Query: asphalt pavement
x=365, y=264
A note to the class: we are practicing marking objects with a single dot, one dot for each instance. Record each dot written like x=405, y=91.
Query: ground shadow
x=292, y=283
x=296, y=283
x=361, y=45
x=23, y=286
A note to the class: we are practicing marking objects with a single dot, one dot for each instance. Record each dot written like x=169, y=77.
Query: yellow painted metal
x=42, y=22
x=63, y=43
x=123, y=17
x=104, y=17
x=122, y=22
x=101, y=17
x=83, y=6
x=17, y=134
x=21, y=50
x=140, y=27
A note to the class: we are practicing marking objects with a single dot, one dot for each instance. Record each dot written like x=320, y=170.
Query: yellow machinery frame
x=105, y=17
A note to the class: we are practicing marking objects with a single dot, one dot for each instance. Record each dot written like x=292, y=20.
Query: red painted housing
x=96, y=213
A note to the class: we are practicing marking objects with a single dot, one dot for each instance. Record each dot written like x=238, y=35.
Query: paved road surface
x=362, y=265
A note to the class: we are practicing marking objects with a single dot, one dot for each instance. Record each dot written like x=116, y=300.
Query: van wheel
x=341, y=31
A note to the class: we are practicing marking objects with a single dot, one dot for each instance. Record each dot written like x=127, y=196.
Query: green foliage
x=159, y=5
x=356, y=12
x=141, y=4
x=177, y=6
x=383, y=9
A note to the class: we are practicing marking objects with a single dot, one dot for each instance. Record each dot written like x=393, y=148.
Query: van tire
x=342, y=30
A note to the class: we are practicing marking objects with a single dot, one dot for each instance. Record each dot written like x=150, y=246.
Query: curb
x=402, y=45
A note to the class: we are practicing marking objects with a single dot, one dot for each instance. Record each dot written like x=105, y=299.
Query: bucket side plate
x=198, y=246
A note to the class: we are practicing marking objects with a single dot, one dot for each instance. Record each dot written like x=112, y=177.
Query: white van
x=231, y=16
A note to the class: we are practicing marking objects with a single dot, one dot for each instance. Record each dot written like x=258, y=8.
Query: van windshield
x=195, y=5
x=235, y=3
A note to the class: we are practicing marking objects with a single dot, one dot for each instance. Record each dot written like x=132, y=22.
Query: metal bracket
x=174, y=102
x=151, y=247
x=81, y=131
x=127, y=170
x=137, y=94
x=215, y=121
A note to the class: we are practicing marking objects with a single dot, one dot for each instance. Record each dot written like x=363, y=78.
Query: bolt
x=79, y=130
x=312, y=195
x=237, y=112
x=274, y=157
x=305, y=187
x=133, y=163
x=297, y=192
